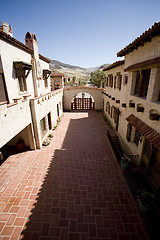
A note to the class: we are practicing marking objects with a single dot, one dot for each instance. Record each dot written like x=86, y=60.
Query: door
x=82, y=104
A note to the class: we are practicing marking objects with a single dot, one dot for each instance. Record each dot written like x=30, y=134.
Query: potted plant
x=125, y=161
x=146, y=201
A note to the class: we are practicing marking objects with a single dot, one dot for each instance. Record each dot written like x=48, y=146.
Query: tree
x=98, y=78
x=74, y=79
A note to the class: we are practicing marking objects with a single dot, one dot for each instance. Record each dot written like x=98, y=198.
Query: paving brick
x=19, y=222
x=7, y=231
x=68, y=190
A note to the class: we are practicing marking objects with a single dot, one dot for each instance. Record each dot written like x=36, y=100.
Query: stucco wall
x=149, y=51
x=43, y=105
x=13, y=120
x=41, y=83
x=126, y=94
x=9, y=54
x=69, y=93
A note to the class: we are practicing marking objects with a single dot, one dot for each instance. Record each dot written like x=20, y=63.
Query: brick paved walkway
x=72, y=189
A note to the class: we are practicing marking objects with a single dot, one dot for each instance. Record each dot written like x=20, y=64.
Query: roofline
x=6, y=37
x=44, y=58
x=57, y=75
x=145, y=64
x=139, y=41
x=113, y=65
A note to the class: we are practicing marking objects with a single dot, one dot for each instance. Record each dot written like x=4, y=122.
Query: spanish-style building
x=28, y=107
x=132, y=100
x=31, y=97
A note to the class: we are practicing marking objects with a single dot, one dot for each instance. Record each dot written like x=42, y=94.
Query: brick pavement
x=72, y=189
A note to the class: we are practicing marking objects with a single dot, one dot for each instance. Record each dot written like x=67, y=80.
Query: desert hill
x=70, y=70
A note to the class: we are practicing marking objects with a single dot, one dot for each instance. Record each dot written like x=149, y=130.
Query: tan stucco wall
x=125, y=96
x=150, y=50
x=69, y=93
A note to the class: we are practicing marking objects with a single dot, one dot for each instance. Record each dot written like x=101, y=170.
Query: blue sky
x=86, y=33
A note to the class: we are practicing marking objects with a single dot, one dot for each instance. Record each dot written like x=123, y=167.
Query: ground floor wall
x=16, y=122
x=131, y=141
x=46, y=110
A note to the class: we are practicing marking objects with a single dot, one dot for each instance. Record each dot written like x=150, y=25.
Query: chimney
x=31, y=42
x=5, y=27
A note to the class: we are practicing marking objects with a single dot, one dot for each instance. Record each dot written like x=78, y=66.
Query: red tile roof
x=44, y=58
x=6, y=37
x=57, y=75
x=145, y=37
x=113, y=65
x=152, y=136
x=148, y=63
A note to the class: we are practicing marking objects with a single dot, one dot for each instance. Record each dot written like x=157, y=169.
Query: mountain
x=70, y=70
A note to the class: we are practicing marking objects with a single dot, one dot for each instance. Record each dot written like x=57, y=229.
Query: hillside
x=70, y=70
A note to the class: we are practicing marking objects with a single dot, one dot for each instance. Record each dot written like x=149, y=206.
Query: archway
x=82, y=102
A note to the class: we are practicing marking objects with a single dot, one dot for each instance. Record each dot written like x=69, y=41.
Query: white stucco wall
x=43, y=105
x=10, y=54
x=41, y=83
x=13, y=120
x=69, y=93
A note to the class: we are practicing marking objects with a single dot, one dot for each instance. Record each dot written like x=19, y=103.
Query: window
x=3, y=89
x=22, y=81
x=129, y=130
x=115, y=82
x=22, y=72
x=137, y=137
x=119, y=81
x=107, y=82
x=46, y=74
x=125, y=79
x=142, y=83
x=147, y=149
x=43, y=126
x=159, y=97
x=110, y=80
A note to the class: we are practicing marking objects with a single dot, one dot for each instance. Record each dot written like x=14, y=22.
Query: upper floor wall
x=18, y=79
x=149, y=50
x=22, y=69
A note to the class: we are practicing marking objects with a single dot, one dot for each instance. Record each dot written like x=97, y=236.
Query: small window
x=142, y=83
x=147, y=149
x=119, y=80
x=43, y=126
x=46, y=74
x=129, y=131
x=159, y=97
x=22, y=81
x=114, y=81
x=22, y=72
x=111, y=80
x=107, y=82
x=137, y=137
x=125, y=79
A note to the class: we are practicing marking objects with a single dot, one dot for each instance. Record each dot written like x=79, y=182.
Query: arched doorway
x=83, y=101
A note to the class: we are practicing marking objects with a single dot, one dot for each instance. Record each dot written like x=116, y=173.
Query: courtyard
x=72, y=189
